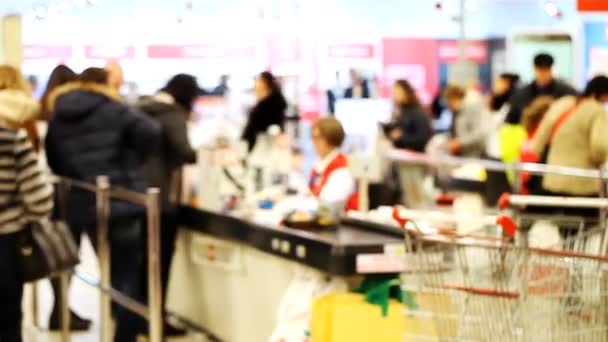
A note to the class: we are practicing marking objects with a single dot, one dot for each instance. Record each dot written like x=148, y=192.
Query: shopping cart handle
x=445, y=200
x=508, y=224
x=400, y=220
x=504, y=201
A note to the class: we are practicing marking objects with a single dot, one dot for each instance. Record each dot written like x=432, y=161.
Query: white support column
x=11, y=45
x=462, y=34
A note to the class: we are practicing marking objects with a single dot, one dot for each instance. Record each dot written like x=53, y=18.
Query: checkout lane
x=254, y=278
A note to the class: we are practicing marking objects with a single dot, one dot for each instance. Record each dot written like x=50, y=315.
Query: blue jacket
x=93, y=133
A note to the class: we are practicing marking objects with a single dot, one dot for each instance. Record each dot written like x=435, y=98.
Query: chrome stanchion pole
x=103, y=254
x=603, y=214
x=34, y=304
x=64, y=277
x=155, y=300
x=64, y=280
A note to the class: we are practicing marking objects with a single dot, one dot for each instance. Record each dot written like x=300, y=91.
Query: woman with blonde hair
x=18, y=90
x=25, y=193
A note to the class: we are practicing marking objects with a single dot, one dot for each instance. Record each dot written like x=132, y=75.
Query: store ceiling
x=486, y=17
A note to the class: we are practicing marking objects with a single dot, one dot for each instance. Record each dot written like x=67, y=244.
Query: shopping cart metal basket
x=484, y=287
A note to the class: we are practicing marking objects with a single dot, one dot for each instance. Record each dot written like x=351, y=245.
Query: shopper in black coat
x=359, y=88
x=268, y=111
x=92, y=133
x=411, y=130
x=411, y=127
x=544, y=84
x=171, y=108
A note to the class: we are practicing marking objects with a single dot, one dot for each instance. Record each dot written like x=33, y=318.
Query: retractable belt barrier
x=153, y=312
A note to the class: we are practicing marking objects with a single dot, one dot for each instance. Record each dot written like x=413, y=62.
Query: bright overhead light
x=471, y=5
x=41, y=11
x=552, y=10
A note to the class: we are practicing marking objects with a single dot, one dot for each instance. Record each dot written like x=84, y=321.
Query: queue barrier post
x=155, y=300
x=64, y=281
x=103, y=253
x=64, y=277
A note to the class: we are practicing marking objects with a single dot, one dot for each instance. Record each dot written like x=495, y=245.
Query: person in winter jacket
x=544, y=84
x=530, y=120
x=575, y=131
x=171, y=108
x=411, y=126
x=25, y=193
x=268, y=111
x=92, y=133
x=359, y=88
x=411, y=130
x=469, y=126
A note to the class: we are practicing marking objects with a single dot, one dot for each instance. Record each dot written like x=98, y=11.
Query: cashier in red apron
x=331, y=180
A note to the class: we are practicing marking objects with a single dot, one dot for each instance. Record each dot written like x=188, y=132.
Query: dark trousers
x=11, y=290
x=126, y=255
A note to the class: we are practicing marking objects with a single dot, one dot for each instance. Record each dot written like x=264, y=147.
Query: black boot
x=172, y=331
x=77, y=323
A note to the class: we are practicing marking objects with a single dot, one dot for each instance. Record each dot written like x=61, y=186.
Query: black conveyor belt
x=332, y=251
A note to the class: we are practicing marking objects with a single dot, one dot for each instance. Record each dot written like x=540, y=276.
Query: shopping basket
x=486, y=288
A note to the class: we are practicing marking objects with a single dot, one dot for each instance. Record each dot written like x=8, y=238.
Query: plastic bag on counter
x=295, y=311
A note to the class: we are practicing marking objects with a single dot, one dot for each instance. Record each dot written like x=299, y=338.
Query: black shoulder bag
x=46, y=248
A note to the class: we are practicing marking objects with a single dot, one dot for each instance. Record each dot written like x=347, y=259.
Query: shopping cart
x=486, y=288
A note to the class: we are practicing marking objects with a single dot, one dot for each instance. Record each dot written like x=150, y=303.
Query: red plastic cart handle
x=445, y=200
x=504, y=201
x=400, y=220
x=508, y=224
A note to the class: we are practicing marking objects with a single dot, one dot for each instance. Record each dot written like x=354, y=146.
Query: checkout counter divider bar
x=414, y=158
x=153, y=311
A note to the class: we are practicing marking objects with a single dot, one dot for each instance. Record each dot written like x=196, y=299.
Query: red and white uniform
x=332, y=182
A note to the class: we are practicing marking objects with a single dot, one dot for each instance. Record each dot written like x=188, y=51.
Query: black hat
x=543, y=60
x=184, y=89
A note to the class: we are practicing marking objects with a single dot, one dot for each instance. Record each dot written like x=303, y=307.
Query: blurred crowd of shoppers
x=93, y=131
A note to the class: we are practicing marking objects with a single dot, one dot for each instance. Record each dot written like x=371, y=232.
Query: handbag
x=44, y=249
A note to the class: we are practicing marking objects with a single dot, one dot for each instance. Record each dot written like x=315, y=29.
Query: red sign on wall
x=476, y=51
x=414, y=60
x=351, y=51
x=61, y=52
x=200, y=51
x=593, y=5
x=109, y=52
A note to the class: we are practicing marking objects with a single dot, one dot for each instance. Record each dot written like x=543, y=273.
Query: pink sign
x=351, y=51
x=476, y=51
x=109, y=52
x=200, y=51
x=61, y=52
x=284, y=51
x=414, y=60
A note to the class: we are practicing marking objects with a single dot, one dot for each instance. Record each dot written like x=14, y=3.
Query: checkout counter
x=230, y=273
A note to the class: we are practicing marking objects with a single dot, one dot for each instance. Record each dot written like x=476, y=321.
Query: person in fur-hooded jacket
x=93, y=133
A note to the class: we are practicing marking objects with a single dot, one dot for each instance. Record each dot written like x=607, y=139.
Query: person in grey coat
x=171, y=108
x=469, y=127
